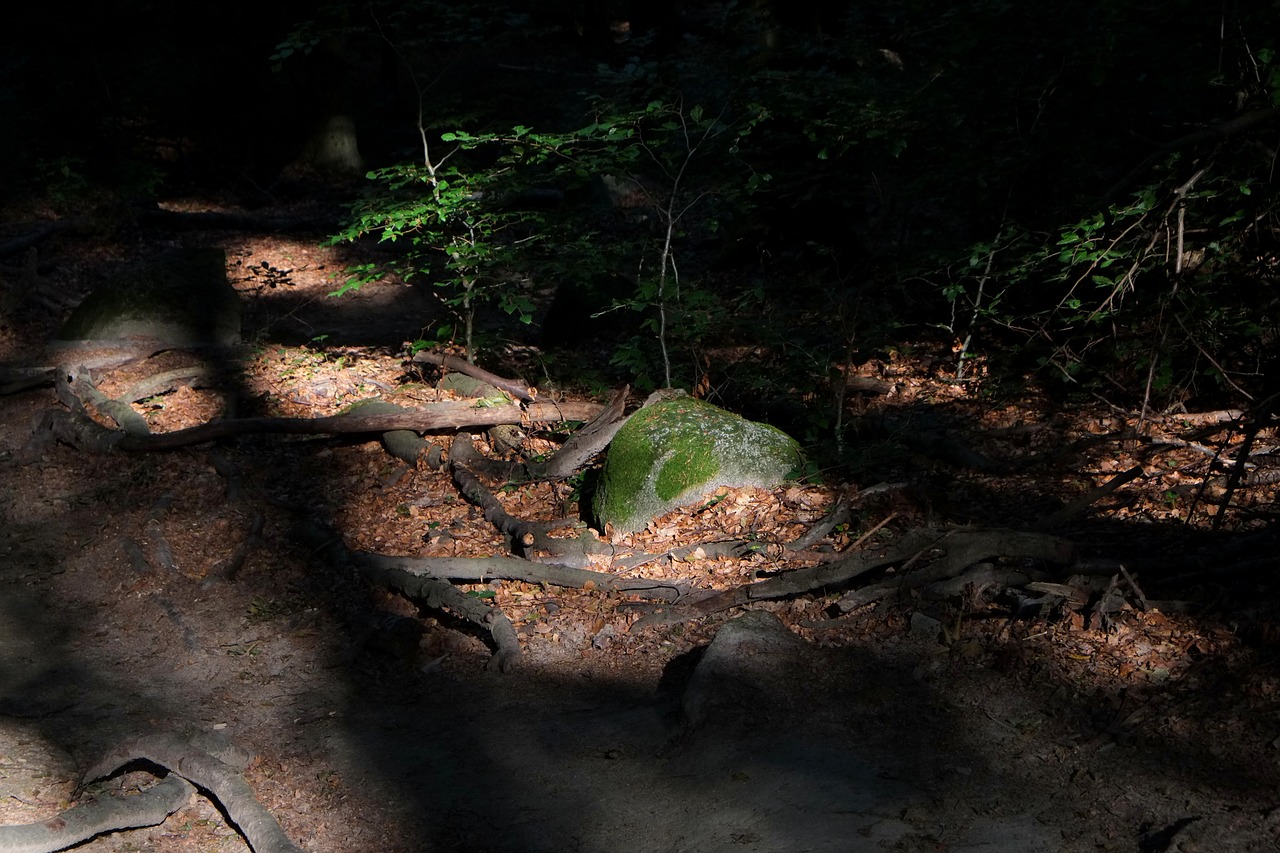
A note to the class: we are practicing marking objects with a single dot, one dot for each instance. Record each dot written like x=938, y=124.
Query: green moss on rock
x=674, y=453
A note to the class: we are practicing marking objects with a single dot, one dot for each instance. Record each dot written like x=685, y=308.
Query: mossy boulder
x=674, y=453
x=181, y=298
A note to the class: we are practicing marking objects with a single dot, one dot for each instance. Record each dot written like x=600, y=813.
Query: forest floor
x=154, y=593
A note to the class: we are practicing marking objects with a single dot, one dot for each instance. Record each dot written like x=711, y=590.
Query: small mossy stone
x=466, y=386
x=181, y=298
x=404, y=444
x=672, y=454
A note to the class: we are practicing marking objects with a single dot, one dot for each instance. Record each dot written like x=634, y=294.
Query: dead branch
x=1260, y=417
x=594, y=437
x=404, y=444
x=1201, y=419
x=519, y=390
x=1089, y=498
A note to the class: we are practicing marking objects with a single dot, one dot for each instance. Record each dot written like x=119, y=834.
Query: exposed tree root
x=186, y=766
x=74, y=427
x=957, y=550
x=526, y=537
x=98, y=816
x=949, y=553
x=578, y=449
x=431, y=590
x=224, y=782
x=485, y=569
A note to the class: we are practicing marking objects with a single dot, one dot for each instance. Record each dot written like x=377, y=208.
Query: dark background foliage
x=911, y=168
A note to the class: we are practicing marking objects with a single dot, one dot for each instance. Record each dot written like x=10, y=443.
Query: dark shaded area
x=895, y=167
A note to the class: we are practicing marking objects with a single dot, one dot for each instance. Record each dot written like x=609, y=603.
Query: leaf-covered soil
x=170, y=592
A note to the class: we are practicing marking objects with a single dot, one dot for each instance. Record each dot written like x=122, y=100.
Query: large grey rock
x=180, y=299
x=674, y=453
x=751, y=657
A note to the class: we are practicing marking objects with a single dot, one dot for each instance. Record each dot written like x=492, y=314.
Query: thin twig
x=872, y=532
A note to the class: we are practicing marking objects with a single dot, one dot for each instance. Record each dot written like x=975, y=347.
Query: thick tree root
x=222, y=781
x=944, y=554
x=433, y=592
x=98, y=816
x=78, y=430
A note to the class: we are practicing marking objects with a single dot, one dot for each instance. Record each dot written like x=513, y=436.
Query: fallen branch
x=1089, y=498
x=578, y=449
x=404, y=444
x=519, y=390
